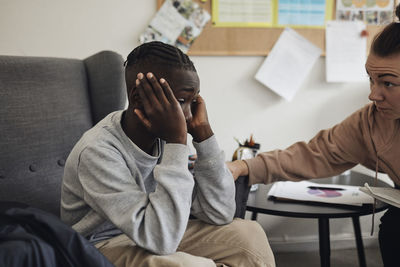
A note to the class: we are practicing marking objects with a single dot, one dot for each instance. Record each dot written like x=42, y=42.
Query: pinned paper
x=288, y=64
x=346, y=51
x=371, y=12
x=178, y=23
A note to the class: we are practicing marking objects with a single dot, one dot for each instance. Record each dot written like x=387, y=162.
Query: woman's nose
x=376, y=93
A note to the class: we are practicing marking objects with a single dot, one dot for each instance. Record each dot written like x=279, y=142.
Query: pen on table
x=325, y=188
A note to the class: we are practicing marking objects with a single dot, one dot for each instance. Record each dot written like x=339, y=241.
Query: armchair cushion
x=46, y=105
x=242, y=190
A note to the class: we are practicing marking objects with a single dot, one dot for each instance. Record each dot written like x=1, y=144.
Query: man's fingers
x=157, y=89
x=142, y=95
x=199, y=99
x=147, y=89
x=167, y=91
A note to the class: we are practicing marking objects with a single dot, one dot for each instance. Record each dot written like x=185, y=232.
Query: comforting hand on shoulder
x=238, y=168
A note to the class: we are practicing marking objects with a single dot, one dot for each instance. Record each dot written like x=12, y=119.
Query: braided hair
x=161, y=54
x=387, y=42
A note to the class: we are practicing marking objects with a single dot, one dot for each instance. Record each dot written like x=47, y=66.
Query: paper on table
x=385, y=194
x=346, y=51
x=307, y=191
x=288, y=64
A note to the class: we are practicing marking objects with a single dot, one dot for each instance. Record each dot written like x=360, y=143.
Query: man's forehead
x=167, y=72
x=389, y=64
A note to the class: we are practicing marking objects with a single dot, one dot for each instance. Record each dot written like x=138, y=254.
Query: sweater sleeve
x=214, y=193
x=155, y=221
x=329, y=153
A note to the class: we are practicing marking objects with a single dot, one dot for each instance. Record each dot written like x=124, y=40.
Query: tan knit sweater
x=365, y=138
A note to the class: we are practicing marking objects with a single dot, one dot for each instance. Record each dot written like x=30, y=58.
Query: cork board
x=218, y=41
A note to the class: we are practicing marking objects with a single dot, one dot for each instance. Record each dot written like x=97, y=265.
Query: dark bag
x=33, y=237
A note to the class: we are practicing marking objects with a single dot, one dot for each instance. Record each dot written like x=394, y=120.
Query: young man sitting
x=127, y=186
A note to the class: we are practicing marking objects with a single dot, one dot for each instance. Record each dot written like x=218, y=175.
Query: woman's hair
x=387, y=42
x=158, y=53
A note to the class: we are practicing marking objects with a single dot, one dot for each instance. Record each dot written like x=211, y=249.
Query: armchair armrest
x=242, y=190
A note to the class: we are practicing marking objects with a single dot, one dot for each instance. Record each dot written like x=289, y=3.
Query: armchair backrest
x=46, y=104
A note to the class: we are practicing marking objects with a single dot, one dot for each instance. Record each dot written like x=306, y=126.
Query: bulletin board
x=218, y=41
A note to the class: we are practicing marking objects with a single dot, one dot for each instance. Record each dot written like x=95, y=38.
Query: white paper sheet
x=288, y=64
x=307, y=191
x=346, y=51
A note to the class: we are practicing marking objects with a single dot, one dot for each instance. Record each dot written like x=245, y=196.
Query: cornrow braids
x=159, y=53
x=387, y=42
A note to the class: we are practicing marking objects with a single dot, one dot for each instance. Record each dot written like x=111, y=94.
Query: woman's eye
x=388, y=84
x=181, y=101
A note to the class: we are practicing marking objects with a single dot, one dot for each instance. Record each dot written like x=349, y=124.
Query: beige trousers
x=241, y=243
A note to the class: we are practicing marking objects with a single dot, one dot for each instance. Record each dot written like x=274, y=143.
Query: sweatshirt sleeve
x=155, y=221
x=329, y=153
x=214, y=193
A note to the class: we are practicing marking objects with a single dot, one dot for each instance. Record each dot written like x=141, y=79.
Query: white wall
x=237, y=104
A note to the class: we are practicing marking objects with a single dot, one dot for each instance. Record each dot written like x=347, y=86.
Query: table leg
x=254, y=216
x=324, y=242
x=359, y=242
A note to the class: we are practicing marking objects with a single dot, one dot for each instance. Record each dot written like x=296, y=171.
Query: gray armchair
x=45, y=106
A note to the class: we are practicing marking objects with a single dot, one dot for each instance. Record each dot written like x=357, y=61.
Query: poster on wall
x=177, y=22
x=271, y=13
x=372, y=12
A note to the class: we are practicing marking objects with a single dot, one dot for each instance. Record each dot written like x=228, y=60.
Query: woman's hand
x=238, y=168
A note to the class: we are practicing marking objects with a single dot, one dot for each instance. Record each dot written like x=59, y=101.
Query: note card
x=346, y=51
x=288, y=64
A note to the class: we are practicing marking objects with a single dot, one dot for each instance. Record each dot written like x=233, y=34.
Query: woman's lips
x=382, y=109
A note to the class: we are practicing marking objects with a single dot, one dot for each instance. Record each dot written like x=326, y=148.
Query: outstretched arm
x=330, y=152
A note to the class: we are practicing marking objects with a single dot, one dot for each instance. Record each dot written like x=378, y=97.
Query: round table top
x=258, y=201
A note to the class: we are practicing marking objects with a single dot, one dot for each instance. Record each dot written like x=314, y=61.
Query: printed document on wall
x=242, y=13
x=288, y=64
x=178, y=23
x=346, y=51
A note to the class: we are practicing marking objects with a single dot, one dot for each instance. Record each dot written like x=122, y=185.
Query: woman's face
x=384, y=73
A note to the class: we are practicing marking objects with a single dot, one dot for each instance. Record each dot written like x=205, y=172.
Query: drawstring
x=374, y=206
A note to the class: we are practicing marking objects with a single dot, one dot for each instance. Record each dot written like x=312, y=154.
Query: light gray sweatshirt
x=108, y=180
